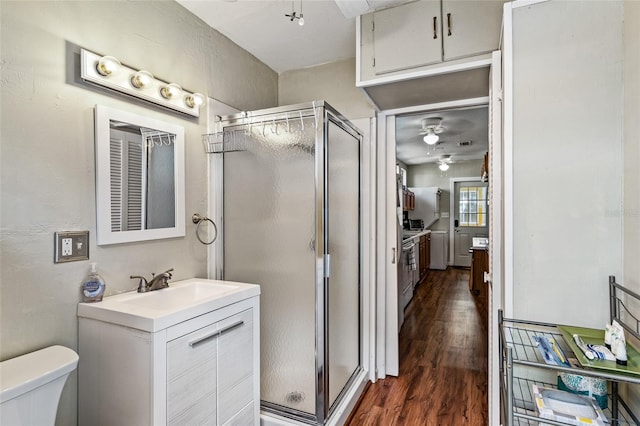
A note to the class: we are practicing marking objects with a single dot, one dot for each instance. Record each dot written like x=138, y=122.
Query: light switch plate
x=70, y=246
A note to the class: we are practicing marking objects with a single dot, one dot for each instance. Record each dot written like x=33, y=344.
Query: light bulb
x=107, y=65
x=170, y=90
x=431, y=138
x=141, y=79
x=194, y=100
x=301, y=20
x=444, y=167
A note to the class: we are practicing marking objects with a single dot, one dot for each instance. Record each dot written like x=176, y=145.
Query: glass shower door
x=269, y=239
x=292, y=225
x=342, y=194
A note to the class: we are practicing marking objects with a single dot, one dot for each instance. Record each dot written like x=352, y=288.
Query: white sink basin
x=159, y=309
x=177, y=296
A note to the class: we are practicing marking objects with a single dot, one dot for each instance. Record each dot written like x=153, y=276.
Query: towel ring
x=197, y=219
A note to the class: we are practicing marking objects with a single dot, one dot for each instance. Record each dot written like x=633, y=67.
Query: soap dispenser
x=93, y=286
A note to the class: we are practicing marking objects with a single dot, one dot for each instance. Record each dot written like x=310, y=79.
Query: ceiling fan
x=444, y=162
x=431, y=127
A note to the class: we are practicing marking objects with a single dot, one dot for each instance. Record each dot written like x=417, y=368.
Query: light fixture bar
x=108, y=72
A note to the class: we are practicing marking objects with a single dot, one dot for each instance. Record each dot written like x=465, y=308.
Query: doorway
x=387, y=360
x=428, y=165
x=470, y=217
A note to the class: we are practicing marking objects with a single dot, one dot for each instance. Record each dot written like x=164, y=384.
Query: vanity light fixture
x=141, y=79
x=194, y=100
x=109, y=73
x=170, y=90
x=107, y=65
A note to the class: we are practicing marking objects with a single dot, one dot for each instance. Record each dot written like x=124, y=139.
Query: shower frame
x=323, y=114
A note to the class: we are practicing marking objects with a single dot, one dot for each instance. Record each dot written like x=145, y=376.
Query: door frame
x=496, y=232
x=452, y=189
x=215, y=110
x=387, y=358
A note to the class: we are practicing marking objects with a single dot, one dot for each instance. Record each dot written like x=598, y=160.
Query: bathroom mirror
x=139, y=177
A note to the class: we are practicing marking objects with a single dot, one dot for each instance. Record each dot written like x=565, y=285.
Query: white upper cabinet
x=425, y=34
x=470, y=27
x=407, y=37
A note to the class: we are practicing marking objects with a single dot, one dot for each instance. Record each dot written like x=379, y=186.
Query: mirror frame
x=105, y=236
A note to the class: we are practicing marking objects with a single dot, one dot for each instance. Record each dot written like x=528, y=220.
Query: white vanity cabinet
x=415, y=36
x=203, y=370
x=211, y=364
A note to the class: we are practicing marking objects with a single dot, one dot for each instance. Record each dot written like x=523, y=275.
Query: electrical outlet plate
x=70, y=246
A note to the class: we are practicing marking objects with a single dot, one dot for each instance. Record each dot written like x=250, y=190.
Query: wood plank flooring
x=443, y=361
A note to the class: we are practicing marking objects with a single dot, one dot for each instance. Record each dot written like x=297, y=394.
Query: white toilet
x=31, y=384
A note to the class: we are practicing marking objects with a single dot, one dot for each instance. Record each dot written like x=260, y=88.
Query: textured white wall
x=631, y=216
x=334, y=83
x=47, y=152
x=567, y=163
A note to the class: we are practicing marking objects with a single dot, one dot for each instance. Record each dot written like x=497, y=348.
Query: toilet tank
x=31, y=384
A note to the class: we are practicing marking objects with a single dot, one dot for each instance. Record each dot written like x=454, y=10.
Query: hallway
x=443, y=361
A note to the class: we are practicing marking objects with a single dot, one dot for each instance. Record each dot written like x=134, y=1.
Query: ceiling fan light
x=430, y=138
x=444, y=167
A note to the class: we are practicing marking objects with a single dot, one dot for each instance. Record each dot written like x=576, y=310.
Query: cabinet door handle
x=435, y=27
x=393, y=255
x=448, y=24
x=231, y=326
x=214, y=334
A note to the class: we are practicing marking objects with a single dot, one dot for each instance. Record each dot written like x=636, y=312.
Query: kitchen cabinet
x=484, y=170
x=425, y=255
x=416, y=35
x=409, y=200
x=204, y=370
x=480, y=265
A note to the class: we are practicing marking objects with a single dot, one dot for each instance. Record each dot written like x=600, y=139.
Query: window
x=403, y=173
x=473, y=206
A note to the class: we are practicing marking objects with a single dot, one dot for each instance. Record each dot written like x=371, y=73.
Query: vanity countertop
x=157, y=310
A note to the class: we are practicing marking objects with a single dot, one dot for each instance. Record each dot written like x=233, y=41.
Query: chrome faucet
x=157, y=282
x=160, y=281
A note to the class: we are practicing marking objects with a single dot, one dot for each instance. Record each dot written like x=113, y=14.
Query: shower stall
x=291, y=223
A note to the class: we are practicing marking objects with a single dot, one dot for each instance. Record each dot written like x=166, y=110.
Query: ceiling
x=460, y=125
x=261, y=28
x=328, y=35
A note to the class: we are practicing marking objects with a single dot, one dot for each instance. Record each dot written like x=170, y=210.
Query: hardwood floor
x=443, y=361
